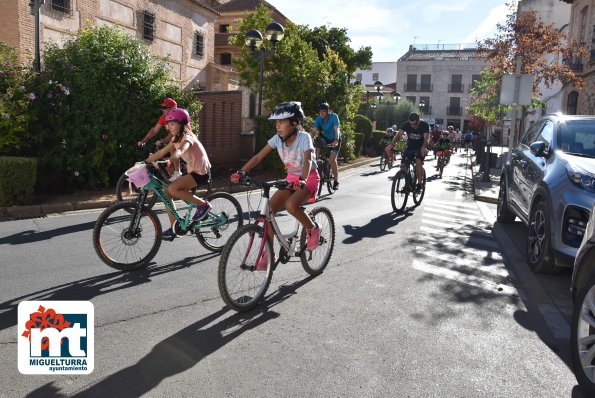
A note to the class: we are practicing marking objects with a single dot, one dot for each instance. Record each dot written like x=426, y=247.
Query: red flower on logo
x=45, y=319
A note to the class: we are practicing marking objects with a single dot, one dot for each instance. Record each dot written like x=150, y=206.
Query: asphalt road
x=432, y=303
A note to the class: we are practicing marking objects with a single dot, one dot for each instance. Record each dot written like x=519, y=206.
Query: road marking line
x=462, y=205
x=457, y=222
x=466, y=279
x=469, y=216
x=461, y=229
x=440, y=239
x=486, y=239
x=495, y=269
x=457, y=210
x=555, y=320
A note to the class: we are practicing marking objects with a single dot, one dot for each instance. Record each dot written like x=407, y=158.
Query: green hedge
x=373, y=145
x=17, y=180
x=359, y=143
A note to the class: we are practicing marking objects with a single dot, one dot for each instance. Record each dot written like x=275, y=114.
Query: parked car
x=582, y=338
x=548, y=182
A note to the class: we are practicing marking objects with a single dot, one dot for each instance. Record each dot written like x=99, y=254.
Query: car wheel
x=582, y=336
x=539, y=243
x=503, y=213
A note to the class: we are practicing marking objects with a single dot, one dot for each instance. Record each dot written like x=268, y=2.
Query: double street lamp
x=395, y=94
x=274, y=33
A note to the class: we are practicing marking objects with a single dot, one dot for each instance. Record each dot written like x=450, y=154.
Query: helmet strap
x=289, y=136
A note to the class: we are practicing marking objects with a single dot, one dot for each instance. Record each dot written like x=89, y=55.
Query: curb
x=477, y=197
x=42, y=210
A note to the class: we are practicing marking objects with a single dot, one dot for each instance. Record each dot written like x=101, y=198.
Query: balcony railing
x=454, y=110
x=424, y=87
x=456, y=88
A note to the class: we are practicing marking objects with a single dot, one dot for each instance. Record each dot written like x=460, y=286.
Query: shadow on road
x=377, y=227
x=88, y=288
x=32, y=236
x=180, y=351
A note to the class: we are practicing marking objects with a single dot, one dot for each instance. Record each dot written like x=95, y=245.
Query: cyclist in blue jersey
x=328, y=123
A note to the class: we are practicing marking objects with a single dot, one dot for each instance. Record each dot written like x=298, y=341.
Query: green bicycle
x=127, y=235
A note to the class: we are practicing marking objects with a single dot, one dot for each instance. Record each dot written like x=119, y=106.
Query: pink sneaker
x=263, y=263
x=313, y=238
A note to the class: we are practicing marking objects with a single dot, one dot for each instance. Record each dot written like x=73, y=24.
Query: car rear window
x=578, y=136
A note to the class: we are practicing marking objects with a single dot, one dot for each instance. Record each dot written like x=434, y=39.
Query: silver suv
x=548, y=182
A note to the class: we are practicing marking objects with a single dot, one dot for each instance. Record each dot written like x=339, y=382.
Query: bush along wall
x=17, y=180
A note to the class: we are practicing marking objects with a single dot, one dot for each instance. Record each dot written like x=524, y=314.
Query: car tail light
x=575, y=223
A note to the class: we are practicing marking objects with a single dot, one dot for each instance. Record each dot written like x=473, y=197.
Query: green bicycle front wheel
x=124, y=239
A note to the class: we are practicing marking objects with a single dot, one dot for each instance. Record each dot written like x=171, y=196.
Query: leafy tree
x=95, y=97
x=543, y=51
x=297, y=72
x=323, y=38
x=15, y=99
x=485, y=103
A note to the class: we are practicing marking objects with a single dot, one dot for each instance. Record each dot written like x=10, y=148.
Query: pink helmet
x=179, y=114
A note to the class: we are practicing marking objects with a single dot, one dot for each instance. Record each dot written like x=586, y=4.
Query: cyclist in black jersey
x=418, y=133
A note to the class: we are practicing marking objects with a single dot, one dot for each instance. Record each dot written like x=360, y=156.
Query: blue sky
x=390, y=26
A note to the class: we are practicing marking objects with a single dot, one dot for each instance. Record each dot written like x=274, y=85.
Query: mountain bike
x=127, y=235
x=442, y=159
x=324, y=168
x=248, y=260
x=127, y=190
x=387, y=162
x=404, y=183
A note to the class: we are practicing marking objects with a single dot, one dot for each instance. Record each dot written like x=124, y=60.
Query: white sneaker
x=175, y=176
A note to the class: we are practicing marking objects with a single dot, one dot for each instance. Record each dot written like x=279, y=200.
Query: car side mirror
x=539, y=148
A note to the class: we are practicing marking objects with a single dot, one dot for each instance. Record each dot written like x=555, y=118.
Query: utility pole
x=515, y=106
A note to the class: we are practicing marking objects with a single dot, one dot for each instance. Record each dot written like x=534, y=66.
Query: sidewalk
x=86, y=200
x=486, y=188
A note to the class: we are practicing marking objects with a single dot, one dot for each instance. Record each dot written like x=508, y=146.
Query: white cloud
x=433, y=12
x=488, y=25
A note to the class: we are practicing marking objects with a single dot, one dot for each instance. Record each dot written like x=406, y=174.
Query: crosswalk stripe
x=465, y=205
x=463, y=278
x=454, y=213
x=457, y=222
x=495, y=269
x=486, y=238
x=469, y=243
x=457, y=210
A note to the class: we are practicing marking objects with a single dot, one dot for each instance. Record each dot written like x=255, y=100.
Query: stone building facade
x=182, y=30
x=582, y=29
x=440, y=77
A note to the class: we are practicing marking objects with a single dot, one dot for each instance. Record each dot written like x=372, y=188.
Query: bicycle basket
x=138, y=175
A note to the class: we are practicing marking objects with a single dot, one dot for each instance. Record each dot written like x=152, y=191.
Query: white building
x=554, y=12
x=440, y=77
x=385, y=72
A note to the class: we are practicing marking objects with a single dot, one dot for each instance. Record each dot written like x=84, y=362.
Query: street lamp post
x=274, y=33
x=396, y=96
x=422, y=106
x=35, y=6
x=378, y=86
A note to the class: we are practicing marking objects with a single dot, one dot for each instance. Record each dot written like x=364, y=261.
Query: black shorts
x=200, y=179
x=336, y=149
x=410, y=156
